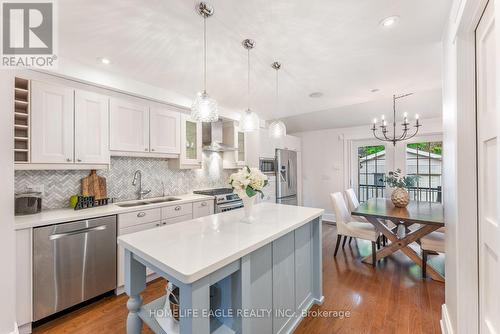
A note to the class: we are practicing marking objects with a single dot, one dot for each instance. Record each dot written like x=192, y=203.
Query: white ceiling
x=425, y=103
x=333, y=46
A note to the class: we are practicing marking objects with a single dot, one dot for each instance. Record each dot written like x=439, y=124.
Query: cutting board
x=94, y=185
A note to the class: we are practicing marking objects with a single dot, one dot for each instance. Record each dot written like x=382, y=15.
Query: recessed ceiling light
x=104, y=60
x=316, y=94
x=374, y=90
x=389, y=21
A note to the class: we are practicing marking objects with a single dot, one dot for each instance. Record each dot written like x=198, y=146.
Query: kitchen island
x=233, y=277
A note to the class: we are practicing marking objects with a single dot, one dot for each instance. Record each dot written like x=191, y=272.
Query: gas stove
x=225, y=199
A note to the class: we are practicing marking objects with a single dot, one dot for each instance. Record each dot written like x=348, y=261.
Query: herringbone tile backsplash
x=60, y=185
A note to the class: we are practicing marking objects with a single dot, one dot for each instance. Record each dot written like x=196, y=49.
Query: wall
x=460, y=313
x=60, y=185
x=7, y=235
x=326, y=165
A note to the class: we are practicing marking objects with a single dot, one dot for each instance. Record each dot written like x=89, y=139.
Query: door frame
x=460, y=38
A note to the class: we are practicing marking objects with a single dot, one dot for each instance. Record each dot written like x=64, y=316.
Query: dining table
x=413, y=222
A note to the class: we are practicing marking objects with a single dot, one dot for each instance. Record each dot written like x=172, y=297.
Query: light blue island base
x=265, y=291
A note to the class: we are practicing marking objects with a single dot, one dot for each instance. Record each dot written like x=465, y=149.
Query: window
x=371, y=170
x=425, y=161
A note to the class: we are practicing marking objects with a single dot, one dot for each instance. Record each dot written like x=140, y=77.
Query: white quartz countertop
x=193, y=249
x=49, y=217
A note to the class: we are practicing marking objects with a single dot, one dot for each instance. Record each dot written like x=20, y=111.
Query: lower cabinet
x=202, y=209
x=122, y=231
x=142, y=220
x=23, y=279
x=279, y=276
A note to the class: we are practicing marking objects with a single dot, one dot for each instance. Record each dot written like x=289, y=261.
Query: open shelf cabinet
x=21, y=121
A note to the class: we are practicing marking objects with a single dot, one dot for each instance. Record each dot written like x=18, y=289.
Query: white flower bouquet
x=248, y=181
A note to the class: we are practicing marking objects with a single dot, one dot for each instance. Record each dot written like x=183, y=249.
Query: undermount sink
x=146, y=202
x=162, y=200
x=128, y=205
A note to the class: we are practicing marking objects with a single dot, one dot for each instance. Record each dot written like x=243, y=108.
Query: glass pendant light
x=204, y=108
x=277, y=129
x=249, y=120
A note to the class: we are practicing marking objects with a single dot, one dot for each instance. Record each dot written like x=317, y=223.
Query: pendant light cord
x=277, y=90
x=248, y=83
x=204, y=54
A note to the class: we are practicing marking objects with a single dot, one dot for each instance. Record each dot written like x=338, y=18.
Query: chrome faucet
x=142, y=192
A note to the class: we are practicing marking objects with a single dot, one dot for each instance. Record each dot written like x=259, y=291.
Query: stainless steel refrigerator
x=286, y=177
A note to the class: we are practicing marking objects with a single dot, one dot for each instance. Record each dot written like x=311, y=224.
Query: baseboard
x=445, y=322
x=16, y=329
x=329, y=217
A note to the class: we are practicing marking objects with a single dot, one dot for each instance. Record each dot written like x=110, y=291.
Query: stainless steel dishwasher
x=72, y=262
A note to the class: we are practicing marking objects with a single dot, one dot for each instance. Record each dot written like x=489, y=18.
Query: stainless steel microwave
x=267, y=165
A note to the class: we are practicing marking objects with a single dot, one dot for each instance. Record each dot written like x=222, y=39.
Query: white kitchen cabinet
x=232, y=136
x=120, y=267
x=191, y=144
x=129, y=126
x=52, y=118
x=91, y=128
x=176, y=220
x=203, y=208
x=23, y=278
x=165, y=131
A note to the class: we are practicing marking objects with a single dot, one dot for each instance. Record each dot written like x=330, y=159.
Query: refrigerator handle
x=289, y=175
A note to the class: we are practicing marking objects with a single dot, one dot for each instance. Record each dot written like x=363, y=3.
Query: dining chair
x=353, y=203
x=348, y=227
x=432, y=242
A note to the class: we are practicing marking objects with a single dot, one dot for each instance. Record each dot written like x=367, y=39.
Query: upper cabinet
x=136, y=128
x=191, y=144
x=129, y=126
x=69, y=126
x=52, y=116
x=91, y=128
x=233, y=136
x=165, y=131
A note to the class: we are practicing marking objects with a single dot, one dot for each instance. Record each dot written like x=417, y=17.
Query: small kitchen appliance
x=28, y=203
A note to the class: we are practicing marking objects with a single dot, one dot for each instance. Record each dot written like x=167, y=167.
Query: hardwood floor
x=391, y=298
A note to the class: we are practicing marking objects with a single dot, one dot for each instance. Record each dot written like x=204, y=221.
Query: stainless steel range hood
x=212, y=134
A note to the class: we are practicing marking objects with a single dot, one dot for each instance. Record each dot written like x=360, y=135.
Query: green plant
x=397, y=180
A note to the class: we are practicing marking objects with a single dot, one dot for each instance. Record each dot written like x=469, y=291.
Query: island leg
x=194, y=307
x=135, y=283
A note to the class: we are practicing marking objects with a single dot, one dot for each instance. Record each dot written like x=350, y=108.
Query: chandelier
x=204, y=108
x=381, y=132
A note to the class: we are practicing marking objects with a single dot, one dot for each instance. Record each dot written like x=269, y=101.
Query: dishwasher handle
x=83, y=230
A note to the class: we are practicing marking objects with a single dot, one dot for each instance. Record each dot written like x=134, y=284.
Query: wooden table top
x=416, y=212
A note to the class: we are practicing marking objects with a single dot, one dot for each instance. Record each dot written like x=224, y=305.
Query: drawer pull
x=141, y=214
x=203, y=203
x=177, y=208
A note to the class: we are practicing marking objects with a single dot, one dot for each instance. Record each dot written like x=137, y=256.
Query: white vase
x=248, y=203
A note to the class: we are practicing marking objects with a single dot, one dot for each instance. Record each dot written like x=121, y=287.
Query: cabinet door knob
x=203, y=203
x=79, y=160
x=68, y=159
x=141, y=214
x=152, y=150
x=146, y=149
x=158, y=224
x=164, y=223
x=177, y=208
